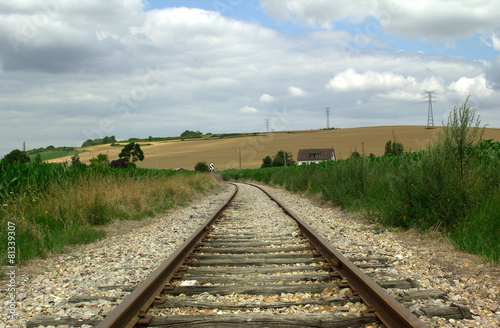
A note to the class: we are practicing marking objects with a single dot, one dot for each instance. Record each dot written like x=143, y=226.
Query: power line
x=327, y=117
x=267, y=121
x=430, y=115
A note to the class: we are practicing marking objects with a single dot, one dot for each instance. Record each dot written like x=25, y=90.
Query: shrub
x=119, y=163
x=100, y=160
x=267, y=162
x=454, y=185
x=201, y=167
x=17, y=156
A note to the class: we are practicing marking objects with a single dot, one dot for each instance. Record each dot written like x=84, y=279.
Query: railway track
x=240, y=269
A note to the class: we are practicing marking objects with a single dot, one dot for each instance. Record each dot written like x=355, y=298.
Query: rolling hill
x=224, y=152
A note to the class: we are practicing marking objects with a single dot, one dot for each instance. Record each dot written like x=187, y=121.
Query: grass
x=224, y=153
x=453, y=186
x=52, y=206
x=51, y=154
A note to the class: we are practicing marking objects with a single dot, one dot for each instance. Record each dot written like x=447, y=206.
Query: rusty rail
x=133, y=308
x=389, y=311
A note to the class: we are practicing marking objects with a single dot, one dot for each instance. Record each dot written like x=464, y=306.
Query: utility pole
x=327, y=117
x=24, y=146
x=268, y=121
x=430, y=115
x=240, y=156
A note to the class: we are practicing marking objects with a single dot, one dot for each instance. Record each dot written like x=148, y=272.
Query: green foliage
x=201, y=167
x=38, y=158
x=131, y=153
x=99, y=141
x=52, y=154
x=100, y=160
x=454, y=185
x=191, y=134
x=394, y=147
x=280, y=158
x=75, y=161
x=16, y=156
x=53, y=205
x=267, y=162
x=355, y=154
x=478, y=233
x=50, y=149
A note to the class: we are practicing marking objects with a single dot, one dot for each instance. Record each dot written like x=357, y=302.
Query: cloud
x=249, y=110
x=97, y=69
x=350, y=80
x=266, y=98
x=476, y=86
x=427, y=20
x=296, y=92
x=317, y=12
x=493, y=43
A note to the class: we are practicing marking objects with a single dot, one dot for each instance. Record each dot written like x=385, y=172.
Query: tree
x=267, y=162
x=38, y=158
x=100, y=160
x=461, y=135
x=280, y=157
x=17, y=156
x=201, y=167
x=191, y=134
x=355, y=154
x=394, y=148
x=131, y=153
x=75, y=161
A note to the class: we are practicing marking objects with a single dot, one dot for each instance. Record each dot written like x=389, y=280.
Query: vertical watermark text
x=10, y=307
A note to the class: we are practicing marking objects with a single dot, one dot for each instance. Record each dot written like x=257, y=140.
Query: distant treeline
x=112, y=140
x=184, y=135
x=453, y=186
x=49, y=148
x=99, y=141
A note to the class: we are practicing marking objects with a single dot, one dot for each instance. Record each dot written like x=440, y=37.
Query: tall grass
x=453, y=186
x=53, y=206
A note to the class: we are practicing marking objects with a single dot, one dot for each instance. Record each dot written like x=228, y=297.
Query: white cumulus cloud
x=350, y=80
x=267, y=98
x=296, y=92
x=424, y=19
x=249, y=110
x=476, y=87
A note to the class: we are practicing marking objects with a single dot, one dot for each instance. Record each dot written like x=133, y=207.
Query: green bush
x=449, y=186
x=201, y=167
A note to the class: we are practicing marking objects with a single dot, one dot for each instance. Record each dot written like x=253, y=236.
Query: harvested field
x=225, y=155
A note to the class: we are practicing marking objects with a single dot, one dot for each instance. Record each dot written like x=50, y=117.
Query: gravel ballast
x=45, y=287
x=434, y=264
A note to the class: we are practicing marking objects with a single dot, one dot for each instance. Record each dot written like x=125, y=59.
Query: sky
x=74, y=70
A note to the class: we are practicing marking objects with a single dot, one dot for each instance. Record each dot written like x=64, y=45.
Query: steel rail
x=388, y=310
x=134, y=307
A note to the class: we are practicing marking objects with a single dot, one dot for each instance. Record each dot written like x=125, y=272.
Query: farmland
x=52, y=206
x=224, y=152
x=452, y=186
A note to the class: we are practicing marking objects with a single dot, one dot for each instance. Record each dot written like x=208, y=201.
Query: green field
x=453, y=186
x=49, y=155
x=47, y=206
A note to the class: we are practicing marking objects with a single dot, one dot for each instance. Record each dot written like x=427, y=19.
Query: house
x=308, y=156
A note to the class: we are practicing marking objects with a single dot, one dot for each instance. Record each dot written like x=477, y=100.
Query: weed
x=448, y=187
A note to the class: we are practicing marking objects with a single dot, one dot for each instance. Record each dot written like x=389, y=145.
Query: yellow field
x=224, y=153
